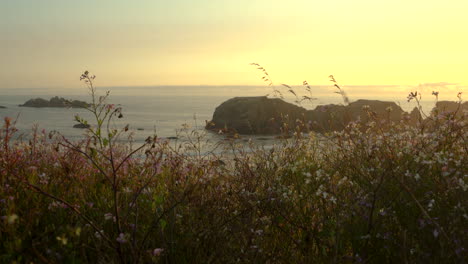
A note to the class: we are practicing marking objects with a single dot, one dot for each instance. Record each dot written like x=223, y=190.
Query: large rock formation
x=336, y=117
x=254, y=115
x=262, y=115
x=55, y=102
x=450, y=108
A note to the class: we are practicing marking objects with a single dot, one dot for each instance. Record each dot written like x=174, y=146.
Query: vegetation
x=377, y=192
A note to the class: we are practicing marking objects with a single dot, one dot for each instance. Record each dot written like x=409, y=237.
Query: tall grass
x=376, y=192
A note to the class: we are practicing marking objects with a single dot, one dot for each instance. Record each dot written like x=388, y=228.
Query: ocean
x=146, y=114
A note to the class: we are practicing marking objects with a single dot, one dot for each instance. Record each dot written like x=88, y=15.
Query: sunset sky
x=48, y=43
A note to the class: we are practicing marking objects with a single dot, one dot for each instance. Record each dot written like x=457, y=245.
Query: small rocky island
x=262, y=115
x=253, y=115
x=80, y=125
x=2, y=107
x=55, y=102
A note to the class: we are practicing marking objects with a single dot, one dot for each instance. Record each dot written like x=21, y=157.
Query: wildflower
x=78, y=231
x=43, y=179
x=462, y=184
x=324, y=195
x=108, y=216
x=62, y=239
x=431, y=204
x=121, y=238
x=12, y=218
x=110, y=107
x=319, y=174
x=157, y=252
x=98, y=234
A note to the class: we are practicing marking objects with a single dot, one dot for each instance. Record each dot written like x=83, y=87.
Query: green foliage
x=377, y=192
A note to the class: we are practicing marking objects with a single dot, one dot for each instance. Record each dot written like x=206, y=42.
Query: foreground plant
x=377, y=192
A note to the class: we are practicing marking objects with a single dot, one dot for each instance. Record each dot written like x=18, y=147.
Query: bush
x=377, y=192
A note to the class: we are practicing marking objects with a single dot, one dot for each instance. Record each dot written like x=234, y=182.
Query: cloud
x=438, y=85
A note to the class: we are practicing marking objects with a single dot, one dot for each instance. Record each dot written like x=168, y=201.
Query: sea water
x=147, y=114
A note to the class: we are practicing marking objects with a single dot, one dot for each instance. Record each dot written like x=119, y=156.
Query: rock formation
x=254, y=115
x=2, y=106
x=55, y=102
x=415, y=116
x=81, y=126
x=336, y=117
x=262, y=115
x=448, y=107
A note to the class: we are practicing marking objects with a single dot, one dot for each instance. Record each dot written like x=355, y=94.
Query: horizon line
x=208, y=85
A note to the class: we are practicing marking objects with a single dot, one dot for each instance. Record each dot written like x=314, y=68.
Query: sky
x=49, y=43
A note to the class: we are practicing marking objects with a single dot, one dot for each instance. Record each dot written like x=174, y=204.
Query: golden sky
x=48, y=43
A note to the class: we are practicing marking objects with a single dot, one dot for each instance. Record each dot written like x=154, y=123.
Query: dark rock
x=2, y=106
x=327, y=117
x=336, y=117
x=456, y=109
x=81, y=126
x=140, y=129
x=55, y=102
x=254, y=115
x=262, y=115
x=415, y=116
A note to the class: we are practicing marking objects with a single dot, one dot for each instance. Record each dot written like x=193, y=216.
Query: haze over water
x=156, y=110
x=166, y=61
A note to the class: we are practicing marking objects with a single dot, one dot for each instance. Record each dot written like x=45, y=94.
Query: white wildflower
x=11, y=219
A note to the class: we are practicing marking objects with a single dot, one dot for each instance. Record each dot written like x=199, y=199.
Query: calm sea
x=146, y=115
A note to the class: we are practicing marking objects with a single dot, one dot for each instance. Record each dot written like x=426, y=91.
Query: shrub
x=377, y=192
